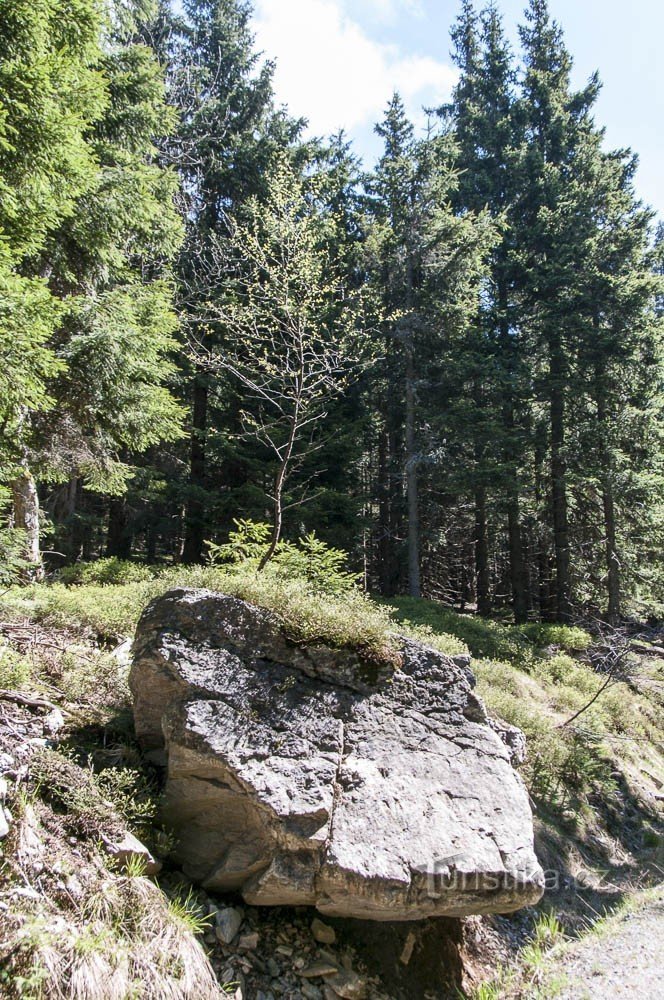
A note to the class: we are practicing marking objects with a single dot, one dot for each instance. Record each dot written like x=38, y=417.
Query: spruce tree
x=429, y=262
x=228, y=138
x=106, y=263
x=50, y=94
x=482, y=115
x=620, y=360
x=555, y=215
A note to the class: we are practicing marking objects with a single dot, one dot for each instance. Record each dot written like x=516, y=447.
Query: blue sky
x=339, y=60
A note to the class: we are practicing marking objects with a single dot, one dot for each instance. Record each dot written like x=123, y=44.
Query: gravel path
x=625, y=958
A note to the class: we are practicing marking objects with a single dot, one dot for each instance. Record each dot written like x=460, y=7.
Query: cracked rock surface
x=301, y=775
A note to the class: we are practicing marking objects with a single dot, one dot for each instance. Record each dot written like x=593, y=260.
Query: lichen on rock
x=292, y=779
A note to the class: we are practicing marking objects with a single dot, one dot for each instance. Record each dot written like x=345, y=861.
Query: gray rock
x=322, y=933
x=310, y=992
x=408, y=948
x=227, y=923
x=303, y=775
x=319, y=969
x=248, y=942
x=4, y=823
x=128, y=849
x=513, y=738
x=54, y=722
x=348, y=985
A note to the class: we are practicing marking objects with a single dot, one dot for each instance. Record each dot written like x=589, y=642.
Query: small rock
x=228, y=922
x=129, y=849
x=322, y=933
x=26, y=892
x=53, y=722
x=318, y=969
x=248, y=942
x=273, y=968
x=4, y=789
x=348, y=985
x=257, y=963
x=4, y=824
x=284, y=949
x=122, y=653
x=407, y=951
x=311, y=992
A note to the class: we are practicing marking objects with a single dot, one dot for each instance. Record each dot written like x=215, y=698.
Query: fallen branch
x=23, y=699
x=639, y=647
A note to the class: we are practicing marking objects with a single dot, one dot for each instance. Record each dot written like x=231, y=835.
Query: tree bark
x=119, y=536
x=194, y=531
x=544, y=598
x=612, y=557
x=26, y=518
x=385, y=517
x=414, y=587
x=482, y=576
x=279, y=485
x=518, y=578
x=613, y=610
x=517, y=559
x=559, y=483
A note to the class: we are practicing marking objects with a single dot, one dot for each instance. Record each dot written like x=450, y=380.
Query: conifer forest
x=447, y=365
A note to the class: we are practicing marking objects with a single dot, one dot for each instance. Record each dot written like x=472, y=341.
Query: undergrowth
x=314, y=600
x=128, y=933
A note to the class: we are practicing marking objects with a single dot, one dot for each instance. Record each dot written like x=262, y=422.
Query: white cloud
x=332, y=73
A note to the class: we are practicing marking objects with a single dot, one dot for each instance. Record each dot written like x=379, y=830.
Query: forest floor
x=596, y=786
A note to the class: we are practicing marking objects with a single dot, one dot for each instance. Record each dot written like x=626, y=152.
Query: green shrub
x=484, y=638
x=568, y=637
x=442, y=641
x=74, y=792
x=345, y=619
x=15, y=670
x=310, y=559
x=12, y=544
x=94, y=801
x=111, y=571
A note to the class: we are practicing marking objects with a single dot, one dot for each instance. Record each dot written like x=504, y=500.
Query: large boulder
x=303, y=775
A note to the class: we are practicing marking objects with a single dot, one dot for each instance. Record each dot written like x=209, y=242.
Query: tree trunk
x=26, y=518
x=194, y=531
x=119, y=536
x=385, y=526
x=286, y=456
x=414, y=589
x=482, y=577
x=559, y=484
x=278, y=516
x=543, y=559
x=517, y=560
x=608, y=503
x=612, y=557
x=518, y=577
